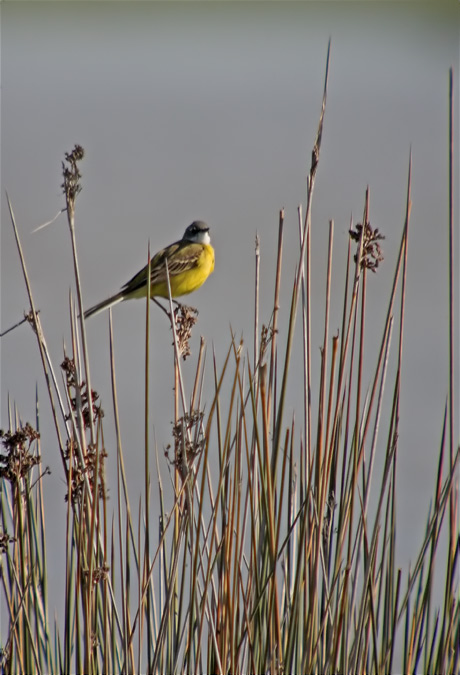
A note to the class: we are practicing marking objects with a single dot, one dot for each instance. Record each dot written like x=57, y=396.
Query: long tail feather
x=104, y=304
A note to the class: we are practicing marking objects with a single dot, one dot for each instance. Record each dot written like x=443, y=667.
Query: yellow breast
x=189, y=280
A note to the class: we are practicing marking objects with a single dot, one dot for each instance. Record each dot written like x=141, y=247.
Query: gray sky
x=209, y=111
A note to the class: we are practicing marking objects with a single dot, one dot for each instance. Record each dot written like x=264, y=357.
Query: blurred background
x=209, y=111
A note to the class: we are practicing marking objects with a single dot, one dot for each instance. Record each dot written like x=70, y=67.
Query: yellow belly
x=189, y=280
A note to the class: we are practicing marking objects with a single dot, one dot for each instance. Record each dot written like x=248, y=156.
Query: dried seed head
x=185, y=318
x=71, y=174
x=18, y=458
x=371, y=251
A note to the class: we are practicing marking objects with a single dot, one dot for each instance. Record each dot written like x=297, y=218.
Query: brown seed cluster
x=185, y=318
x=99, y=574
x=266, y=336
x=371, y=253
x=5, y=539
x=79, y=401
x=17, y=458
x=79, y=396
x=71, y=185
x=189, y=440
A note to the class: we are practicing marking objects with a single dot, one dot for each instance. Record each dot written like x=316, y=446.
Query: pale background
x=209, y=111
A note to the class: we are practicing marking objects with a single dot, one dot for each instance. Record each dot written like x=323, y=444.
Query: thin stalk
x=146, y=457
x=256, y=299
x=38, y=332
x=295, y=295
x=276, y=308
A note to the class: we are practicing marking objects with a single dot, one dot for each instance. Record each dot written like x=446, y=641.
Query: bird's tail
x=113, y=300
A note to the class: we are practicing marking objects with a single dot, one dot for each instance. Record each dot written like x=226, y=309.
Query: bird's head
x=197, y=232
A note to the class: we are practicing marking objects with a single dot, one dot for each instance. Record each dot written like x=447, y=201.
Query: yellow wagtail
x=190, y=262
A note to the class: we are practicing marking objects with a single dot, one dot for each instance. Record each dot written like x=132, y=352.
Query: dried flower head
x=18, y=458
x=5, y=539
x=185, y=318
x=371, y=252
x=189, y=440
x=71, y=173
x=266, y=336
x=79, y=395
x=99, y=574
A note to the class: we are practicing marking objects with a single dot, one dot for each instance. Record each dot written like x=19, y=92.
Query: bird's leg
x=176, y=302
x=161, y=306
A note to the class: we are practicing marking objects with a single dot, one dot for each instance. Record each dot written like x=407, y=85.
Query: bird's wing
x=181, y=256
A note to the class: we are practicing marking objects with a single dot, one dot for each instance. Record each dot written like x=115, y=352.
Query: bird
x=190, y=262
